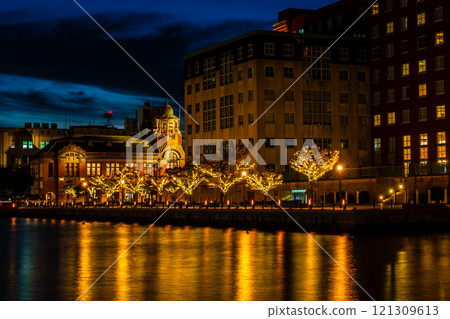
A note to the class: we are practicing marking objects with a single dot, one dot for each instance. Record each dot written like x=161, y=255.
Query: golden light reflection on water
x=342, y=287
x=279, y=273
x=85, y=267
x=188, y=263
x=305, y=274
x=122, y=268
x=245, y=271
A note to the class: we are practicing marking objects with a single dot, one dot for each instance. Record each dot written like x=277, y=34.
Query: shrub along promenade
x=361, y=220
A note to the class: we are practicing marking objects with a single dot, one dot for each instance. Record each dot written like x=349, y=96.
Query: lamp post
x=85, y=193
x=339, y=169
x=244, y=174
x=122, y=182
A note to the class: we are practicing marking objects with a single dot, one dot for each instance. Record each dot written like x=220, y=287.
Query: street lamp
x=85, y=192
x=123, y=199
x=340, y=168
x=244, y=174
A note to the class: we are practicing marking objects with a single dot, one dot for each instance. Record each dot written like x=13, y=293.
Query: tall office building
x=230, y=85
x=408, y=48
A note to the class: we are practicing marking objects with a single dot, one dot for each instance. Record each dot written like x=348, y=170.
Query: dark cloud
x=75, y=50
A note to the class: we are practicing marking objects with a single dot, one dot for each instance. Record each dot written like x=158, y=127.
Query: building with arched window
x=74, y=160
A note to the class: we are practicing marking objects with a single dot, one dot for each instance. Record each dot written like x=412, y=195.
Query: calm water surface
x=58, y=260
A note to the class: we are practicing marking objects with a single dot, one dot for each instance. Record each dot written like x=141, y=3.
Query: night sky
x=55, y=61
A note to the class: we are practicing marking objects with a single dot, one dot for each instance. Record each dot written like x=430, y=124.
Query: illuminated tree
x=73, y=191
x=161, y=184
x=108, y=185
x=221, y=175
x=133, y=181
x=314, y=164
x=263, y=182
x=188, y=180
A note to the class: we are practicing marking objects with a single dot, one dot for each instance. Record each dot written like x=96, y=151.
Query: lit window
x=376, y=9
x=405, y=69
x=27, y=145
x=377, y=145
x=407, y=148
x=421, y=18
x=377, y=120
x=440, y=112
x=423, y=147
x=390, y=27
x=422, y=89
x=441, y=146
x=404, y=24
x=391, y=118
x=44, y=144
x=439, y=38
x=422, y=66
x=424, y=139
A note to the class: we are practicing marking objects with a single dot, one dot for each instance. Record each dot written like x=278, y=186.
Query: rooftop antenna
x=108, y=116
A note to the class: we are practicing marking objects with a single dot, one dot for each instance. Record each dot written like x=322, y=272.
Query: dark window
x=269, y=95
x=343, y=75
x=344, y=120
x=345, y=144
x=189, y=89
x=421, y=42
x=362, y=76
x=50, y=169
x=288, y=72
x=250, y=73
x=269, y=71
x=250, y=95
x=197, y=107
x=197, y=87
x=269, y=144
x=289, y=95
x=343, y=98
x=289, y=118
